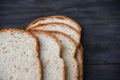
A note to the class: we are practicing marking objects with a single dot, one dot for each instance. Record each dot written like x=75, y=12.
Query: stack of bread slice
x=68, y=32
x=49, y=49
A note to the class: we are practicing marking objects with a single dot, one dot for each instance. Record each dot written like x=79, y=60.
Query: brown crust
x=36, y=40
x=77, y=76
x=81, y=68
x=69, y=19
x=57, y=41
x=56, y=23
x=57, y=17
x=80, y=52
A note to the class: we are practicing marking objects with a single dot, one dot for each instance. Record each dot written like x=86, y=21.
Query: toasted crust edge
x=64, y=25
x=70, y=19
x=57, y=41
x=36, y=40
x=80, y=52
x=56, y=16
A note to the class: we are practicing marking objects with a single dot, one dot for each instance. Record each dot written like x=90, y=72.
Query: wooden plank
x=102, y=72
x=100, y=21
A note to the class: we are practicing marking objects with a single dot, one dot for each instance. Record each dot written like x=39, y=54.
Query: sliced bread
x=68, y=54
x=53, y=65
x=60, y=28
x=19, y=55
x=64, y=20
x=56, y=18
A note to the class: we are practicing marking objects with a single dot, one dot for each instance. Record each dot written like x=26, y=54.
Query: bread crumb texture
x=18, y=56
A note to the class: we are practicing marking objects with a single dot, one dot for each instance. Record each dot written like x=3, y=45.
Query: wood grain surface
x=99, y=19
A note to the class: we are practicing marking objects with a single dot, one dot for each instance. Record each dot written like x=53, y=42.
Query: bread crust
x=36, y=40
x=81, y=68
x=62, y=24
x=80, y=53
x=57, y=17
x=56, y=40
x=69, y=19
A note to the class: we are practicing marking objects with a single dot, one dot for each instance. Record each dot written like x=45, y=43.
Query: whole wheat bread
x=55, y=18
x=52, y=63
x=19, y=55
x=60, y=28
x=68, y=54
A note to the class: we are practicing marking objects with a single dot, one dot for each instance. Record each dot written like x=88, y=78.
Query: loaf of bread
x=19, y=55
x=65, y=21
x=50, y=50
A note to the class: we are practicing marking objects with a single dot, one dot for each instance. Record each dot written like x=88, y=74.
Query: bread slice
x=19, y=55
x=60, y=28
x=68, y=54
x=55, y=18
x=79, y=57
x=53, y=65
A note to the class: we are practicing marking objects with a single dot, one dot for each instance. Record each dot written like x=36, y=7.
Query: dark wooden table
x=100, y=21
